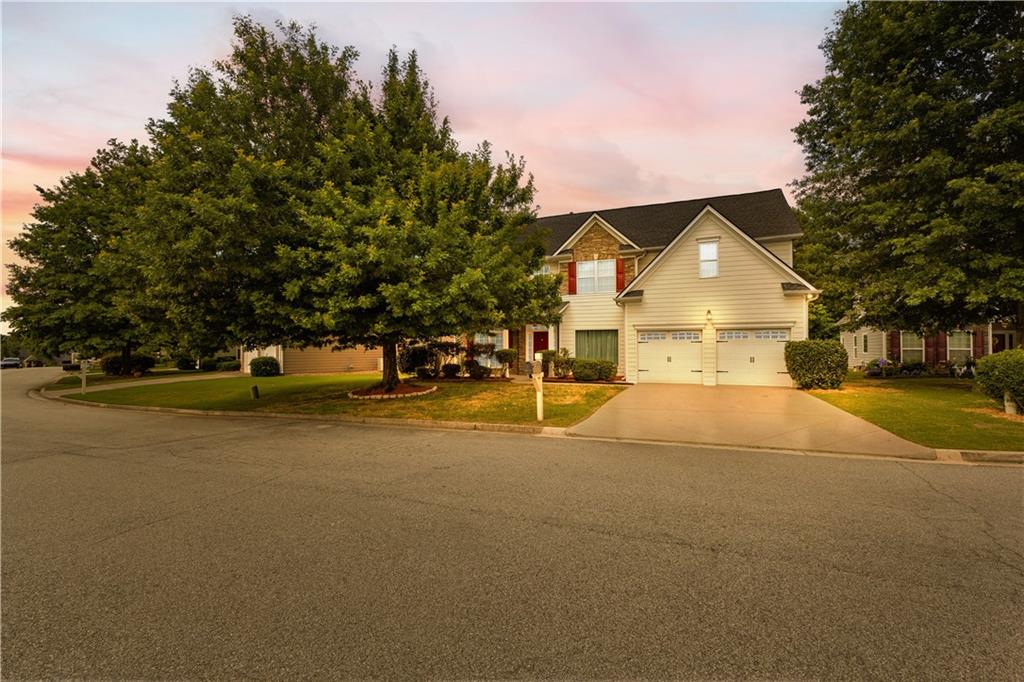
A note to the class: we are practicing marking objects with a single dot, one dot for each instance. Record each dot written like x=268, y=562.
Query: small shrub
x=185, y=363
x=563, y=364
x=229, y=366
x=1002, y=373
x=816, y=363
x=138, y=364
x=208, y=365
x=425, y=373
x=264, y=367
x=478, y=371
x=548, y=357
x=914, y=369
x=585, y=369
x=410, y=358
x=468, y=364
x=450, y=370
x=506, y=356
x=881, y=367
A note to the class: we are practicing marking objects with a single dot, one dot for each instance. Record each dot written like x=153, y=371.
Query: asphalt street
x=162, y=546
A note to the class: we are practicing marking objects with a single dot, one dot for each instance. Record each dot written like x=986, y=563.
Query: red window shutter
x=929, y=349
x=572, y=277
x=620, y=274
x=940, y=347
x=979, y=342
x=894, y=346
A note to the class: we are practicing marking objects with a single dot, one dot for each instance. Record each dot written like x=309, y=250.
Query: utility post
x=83, y=367
x=536, y=369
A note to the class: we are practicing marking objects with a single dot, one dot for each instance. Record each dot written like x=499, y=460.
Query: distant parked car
x=10, y=363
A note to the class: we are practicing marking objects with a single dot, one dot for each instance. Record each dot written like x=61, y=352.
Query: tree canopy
x=284, y=201
x=913, y=201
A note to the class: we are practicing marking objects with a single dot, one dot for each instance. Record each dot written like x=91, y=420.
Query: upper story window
x=544, y=269
x=708, y=258
x=595, y=276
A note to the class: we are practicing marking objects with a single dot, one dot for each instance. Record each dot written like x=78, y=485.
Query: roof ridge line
x=662, y=203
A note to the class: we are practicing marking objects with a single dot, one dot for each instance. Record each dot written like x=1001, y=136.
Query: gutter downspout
x=988, y=342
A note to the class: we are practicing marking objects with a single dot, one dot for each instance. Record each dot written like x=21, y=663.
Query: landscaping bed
x=931, y=411
x=497, y=402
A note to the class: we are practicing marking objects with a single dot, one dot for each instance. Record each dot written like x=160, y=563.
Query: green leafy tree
x=914, y=143
x=435, y=244
x=66, y=291
x=236, y=154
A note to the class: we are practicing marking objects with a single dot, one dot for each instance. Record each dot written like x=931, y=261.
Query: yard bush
x=450, y=370
x=547, y=357
x=185, y=363
x=506, y=356
x=816, y=363
x=478, y=371
x=229, y=366
x=208, y=364
x=585, y=369
x=424, y=373
x=113, y=366
x=1002, y=373
x=412, y=357
x=563, y=363
x=264, y=367
x=913, y=369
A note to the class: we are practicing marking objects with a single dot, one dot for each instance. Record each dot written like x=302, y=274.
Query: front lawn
x=74, y=379
x=490, y=402
x=932, y=411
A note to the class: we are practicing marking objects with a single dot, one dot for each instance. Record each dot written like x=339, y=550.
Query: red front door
x=540, y=341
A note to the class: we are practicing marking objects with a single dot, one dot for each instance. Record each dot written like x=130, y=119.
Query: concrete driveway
x=747, y=416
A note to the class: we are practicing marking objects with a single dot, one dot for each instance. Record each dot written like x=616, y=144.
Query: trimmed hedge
x=584, y=369
x=478, y=371
x=506, y=356
x=424, y=373
x=185, y=363
x=264, y=367
x=112, y=365
x=450, y=370
x=816, y=363
x=229, y=366
x=412, y=357
x=1000, y=373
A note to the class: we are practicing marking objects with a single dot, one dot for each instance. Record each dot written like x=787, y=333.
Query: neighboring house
x=318, y=360
x=954, y=348
x=697, y=292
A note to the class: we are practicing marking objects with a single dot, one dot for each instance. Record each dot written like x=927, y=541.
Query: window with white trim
x=959, y=347
x=734, y=335
x=595, y=276
x=911, y=347
x=647, y=337
x=686, y=336
x=865, y=344
x=772, y=334
x=708, y=254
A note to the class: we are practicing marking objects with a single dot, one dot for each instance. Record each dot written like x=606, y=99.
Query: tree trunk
x=390, y=379
x=126, y=359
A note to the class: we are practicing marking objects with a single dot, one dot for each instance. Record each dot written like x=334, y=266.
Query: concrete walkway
x=746, y=416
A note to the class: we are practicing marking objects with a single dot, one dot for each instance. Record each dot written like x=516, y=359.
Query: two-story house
x=701, y=291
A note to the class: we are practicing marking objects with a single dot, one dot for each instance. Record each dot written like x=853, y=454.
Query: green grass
x=489, y=402
x=74, y=379
x=934, y=412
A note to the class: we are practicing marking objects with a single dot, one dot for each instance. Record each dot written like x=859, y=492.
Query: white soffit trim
x=587, y=224
x=768, y=255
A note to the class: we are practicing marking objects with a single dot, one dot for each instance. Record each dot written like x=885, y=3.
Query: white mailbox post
x=537, y=374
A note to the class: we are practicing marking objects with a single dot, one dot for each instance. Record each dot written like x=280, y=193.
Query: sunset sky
x=610, y=104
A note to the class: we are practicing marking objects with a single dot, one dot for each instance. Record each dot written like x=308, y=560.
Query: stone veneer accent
x=597, y=243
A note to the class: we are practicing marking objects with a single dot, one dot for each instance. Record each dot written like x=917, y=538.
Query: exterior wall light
x=709, y=316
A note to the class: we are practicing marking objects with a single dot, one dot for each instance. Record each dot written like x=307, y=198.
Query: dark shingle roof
x=794, y=286
x=759, y=214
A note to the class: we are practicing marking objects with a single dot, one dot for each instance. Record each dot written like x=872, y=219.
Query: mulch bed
x=401, y=391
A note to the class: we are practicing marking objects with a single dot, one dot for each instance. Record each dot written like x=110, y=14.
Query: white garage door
x=753, y=357
x=669, y=357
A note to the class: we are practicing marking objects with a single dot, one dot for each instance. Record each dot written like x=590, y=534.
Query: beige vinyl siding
x=591, y=311
x=324, y=360
x=782, y=249
x=746, y=293
x=853, y=342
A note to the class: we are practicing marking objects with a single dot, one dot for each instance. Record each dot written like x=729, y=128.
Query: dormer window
x=708, y=254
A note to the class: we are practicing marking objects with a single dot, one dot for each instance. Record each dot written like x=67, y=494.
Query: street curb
x=973, y=457
x=345, y=419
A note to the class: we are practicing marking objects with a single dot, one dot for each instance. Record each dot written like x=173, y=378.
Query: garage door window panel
x=598, y=344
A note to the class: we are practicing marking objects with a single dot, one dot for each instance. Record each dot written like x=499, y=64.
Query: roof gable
x=774, y=261
x=592, y=221
x=760, y=215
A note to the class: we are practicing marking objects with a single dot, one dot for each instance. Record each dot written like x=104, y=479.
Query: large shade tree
x=67, y=289
x=435, y=243
x=913, y=201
